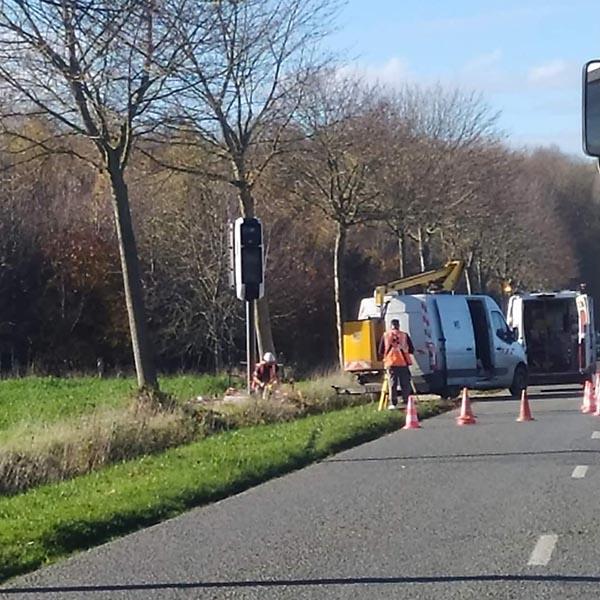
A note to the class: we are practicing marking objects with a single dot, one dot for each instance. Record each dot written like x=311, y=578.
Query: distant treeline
x=188, y=114
x=535, y=223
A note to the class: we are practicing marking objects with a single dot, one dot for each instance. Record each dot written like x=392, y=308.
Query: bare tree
x=188, y=266
x=435, y=150
x=493, y=231
x=337, y=166
x=243, y=80
x=96, y=70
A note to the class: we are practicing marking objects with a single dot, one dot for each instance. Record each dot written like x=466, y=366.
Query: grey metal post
x=250, y=342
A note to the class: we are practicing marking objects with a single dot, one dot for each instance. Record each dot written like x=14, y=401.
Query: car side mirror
x=591, y=108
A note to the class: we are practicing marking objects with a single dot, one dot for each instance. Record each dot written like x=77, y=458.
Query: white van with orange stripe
x=460, y=341
x=556, y=330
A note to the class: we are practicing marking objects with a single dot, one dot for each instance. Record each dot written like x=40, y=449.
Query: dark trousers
x=399, y=377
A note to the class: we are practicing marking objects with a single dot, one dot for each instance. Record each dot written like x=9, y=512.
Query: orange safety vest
x=396, y=349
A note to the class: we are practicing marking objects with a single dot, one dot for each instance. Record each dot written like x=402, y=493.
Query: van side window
x=500, y=326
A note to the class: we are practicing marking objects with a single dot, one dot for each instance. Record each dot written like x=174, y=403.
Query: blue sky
x=524, y=56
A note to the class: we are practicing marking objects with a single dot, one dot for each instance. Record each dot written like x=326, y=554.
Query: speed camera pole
x=248, y=279
x=250, y=343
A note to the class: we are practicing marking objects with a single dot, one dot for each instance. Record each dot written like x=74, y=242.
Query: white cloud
x=484, y=73
x=393, y=73
x=484, y=61
x=505, y=17
x=554, y=74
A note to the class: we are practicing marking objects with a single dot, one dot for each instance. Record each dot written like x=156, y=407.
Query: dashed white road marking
x=596, y=435
x=543, y=550
x=579, y=472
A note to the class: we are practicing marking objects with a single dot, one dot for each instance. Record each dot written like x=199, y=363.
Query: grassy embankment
x=53, y=429
x=42, y=401
x=51, y=521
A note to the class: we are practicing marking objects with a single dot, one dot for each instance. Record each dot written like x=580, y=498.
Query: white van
x=556, y=330
x=460, y=341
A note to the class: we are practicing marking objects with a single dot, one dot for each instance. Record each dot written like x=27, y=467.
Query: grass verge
x=51, y=521
x=53, y=429
x=38, y=452
x=33, y=456
x=47, y=400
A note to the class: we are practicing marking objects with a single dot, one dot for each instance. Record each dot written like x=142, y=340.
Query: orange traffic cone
x=593, y=398
x=412, y=420
x=589, y=402
x=597, y=394
x=525, y=413
x=466, y=416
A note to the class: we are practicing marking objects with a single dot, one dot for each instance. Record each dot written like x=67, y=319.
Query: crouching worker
x=265, y=375
x=396, y=348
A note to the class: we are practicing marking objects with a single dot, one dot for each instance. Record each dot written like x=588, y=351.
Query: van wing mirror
x=591, y=108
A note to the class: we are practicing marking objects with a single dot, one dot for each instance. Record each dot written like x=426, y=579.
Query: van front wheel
x=519, y=381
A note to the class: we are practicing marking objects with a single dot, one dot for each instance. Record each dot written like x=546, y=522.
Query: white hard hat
x=269, y=357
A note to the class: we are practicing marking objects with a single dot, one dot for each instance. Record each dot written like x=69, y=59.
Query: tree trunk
x=264, y=333
x=421, y=242
x=468, y=280
x=479, y=276
x=217, y=349
x=338, y=286
x=468, y=266
x=216, y=361
x=401, y=254
x=142, y=354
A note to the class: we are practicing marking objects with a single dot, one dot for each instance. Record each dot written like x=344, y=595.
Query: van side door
x=458, y=339
x=587, y=351
x=514, y=317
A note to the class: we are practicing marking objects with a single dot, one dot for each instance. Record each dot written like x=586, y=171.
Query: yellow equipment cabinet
x=361, y=340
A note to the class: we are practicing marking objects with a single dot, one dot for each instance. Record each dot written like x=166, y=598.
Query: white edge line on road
x=543, y=550
x=579, y=472
x=596, y=435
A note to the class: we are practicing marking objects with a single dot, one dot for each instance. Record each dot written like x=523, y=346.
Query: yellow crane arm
x=447, y=277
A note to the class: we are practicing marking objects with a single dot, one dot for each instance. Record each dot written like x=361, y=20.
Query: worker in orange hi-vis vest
x=396, y=348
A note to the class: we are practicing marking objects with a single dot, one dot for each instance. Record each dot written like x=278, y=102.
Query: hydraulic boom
x=446, y=279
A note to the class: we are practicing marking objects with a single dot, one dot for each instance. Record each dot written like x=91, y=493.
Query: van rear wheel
x=519, y=381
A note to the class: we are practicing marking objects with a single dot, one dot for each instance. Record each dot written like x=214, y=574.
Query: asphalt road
x=443, y=512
